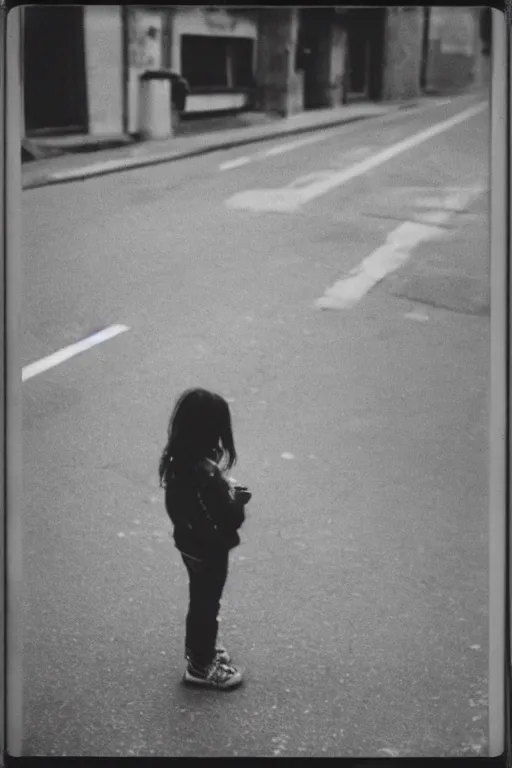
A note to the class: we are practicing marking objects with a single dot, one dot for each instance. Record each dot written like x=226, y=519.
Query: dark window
x=242, y=53
x=54, y=69
x=204, y=61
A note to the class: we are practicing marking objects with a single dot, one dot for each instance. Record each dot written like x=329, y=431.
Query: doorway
x=54, y=85
x=365, y=36
x=313, y=50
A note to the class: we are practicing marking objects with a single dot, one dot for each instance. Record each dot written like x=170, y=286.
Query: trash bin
x=155, y=105
x=162, y=100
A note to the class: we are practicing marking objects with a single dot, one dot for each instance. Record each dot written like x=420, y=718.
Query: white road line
x=29, y=371
x=280, y=149
x=291, y=145
x=395, y=252
x=328, y=133
x=389, y=257
x=289, y=198
x=227, y=166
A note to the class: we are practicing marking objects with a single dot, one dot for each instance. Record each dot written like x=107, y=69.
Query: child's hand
x=242, y=493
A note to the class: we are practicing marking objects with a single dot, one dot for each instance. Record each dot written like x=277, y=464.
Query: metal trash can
x=155, y=105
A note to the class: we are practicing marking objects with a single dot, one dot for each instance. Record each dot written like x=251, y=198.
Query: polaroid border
x=500, y=584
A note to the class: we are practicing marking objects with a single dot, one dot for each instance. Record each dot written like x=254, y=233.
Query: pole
x=498, y=393
x=12, y=403
x=125, y=67
x=425, y=47
x=3, y=103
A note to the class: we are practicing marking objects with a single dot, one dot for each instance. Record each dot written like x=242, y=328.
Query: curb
x=126, y=164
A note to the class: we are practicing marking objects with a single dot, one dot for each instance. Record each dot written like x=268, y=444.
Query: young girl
x=206, y=510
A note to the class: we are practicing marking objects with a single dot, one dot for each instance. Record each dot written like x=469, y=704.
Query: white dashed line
x=239, y=161
x=29, y=371
x=291, y=145
x=419, y=316
x=326, y=134
x=280, y=149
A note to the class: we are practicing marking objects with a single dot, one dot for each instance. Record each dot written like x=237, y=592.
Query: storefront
x=215, y=50
x=453, y=48
x=320, y=57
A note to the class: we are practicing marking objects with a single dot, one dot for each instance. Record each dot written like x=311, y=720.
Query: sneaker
x=217, y=675
x=221, y=654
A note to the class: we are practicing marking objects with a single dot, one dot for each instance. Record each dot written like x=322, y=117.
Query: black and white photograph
x=255, y=382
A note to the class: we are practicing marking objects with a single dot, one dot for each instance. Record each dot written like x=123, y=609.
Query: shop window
x=242, y=56
x=204, y=61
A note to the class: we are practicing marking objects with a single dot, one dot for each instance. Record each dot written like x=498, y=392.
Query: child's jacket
x=205, y=513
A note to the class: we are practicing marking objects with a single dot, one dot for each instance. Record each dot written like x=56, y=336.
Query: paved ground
x=358, y=600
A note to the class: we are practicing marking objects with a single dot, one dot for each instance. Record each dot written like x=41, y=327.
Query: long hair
x=199, y=428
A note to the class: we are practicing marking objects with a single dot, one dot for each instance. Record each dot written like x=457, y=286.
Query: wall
x=295, y=95
x=402, y=53
x=324, y=61
x=198, y=21
x=338, y=64
x=278, y=86
x=453, y=48
x=215, y=102
x=104, y=68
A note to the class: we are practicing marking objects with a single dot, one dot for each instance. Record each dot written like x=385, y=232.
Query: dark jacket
x=204, y=511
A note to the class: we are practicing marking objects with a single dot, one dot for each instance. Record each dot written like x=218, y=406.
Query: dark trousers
x=206, y=583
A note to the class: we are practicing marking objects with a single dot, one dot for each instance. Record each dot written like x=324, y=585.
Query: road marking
x=291, y=145
x=290, y=198
x=227, y=166
x=419, y=316
x=388, y=258
x=278, y=150
x=345, y=293
x=29, y=371
x=344, y=129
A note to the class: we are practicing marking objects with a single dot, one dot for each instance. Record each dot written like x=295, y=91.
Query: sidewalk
x=256, y=127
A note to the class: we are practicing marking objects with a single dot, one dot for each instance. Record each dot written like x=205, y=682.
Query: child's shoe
x=217, y=675
x=221, y=654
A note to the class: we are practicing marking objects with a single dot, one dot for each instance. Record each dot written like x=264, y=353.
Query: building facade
x=82, y=64
x=213, y=48
x=72, y=71
x=455, y=57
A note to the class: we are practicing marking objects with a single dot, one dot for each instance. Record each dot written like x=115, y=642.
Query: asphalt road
x=358, y=600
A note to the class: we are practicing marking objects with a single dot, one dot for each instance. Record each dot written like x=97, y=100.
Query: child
x=206, y=510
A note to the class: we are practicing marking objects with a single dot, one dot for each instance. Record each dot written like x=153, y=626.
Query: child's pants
x=206, y=583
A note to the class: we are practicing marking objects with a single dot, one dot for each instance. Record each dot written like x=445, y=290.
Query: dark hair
x=199, y=428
